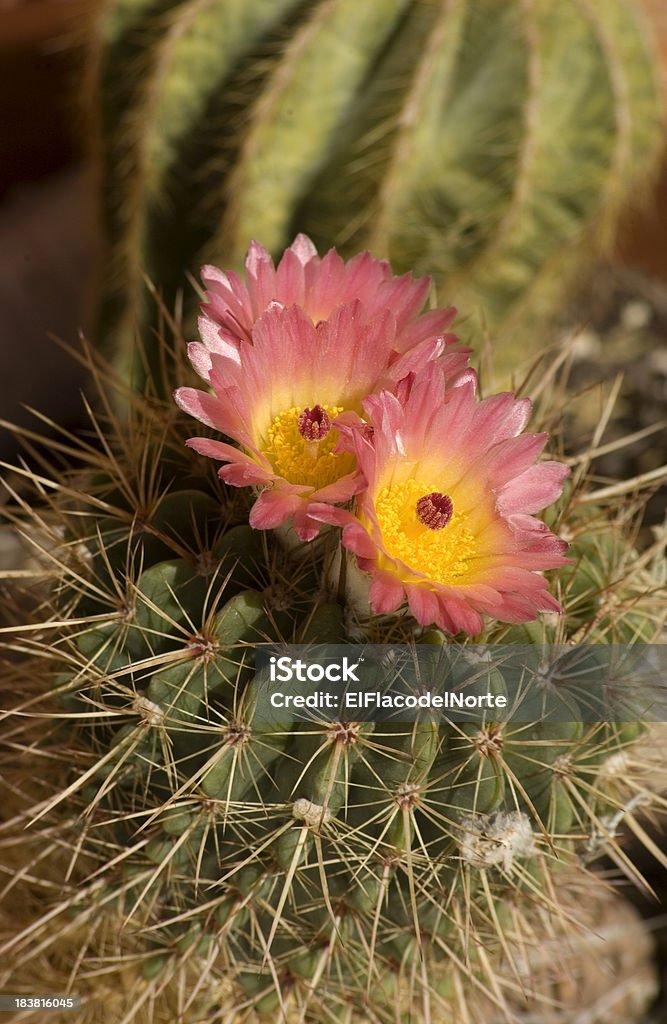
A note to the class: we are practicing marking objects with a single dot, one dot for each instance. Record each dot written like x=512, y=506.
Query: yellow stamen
x=441, y=555
x=303, y=461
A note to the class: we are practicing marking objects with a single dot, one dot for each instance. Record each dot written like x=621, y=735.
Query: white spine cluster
x=616, y=766
x=151, y=713
x=496, y=840
x=311, y=814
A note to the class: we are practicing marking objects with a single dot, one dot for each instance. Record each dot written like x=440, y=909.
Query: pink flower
x=318, y=285
x=290, y=356
x=447, y=519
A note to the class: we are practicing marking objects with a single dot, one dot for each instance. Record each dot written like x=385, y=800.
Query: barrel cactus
x=170, y=839
x=488, y=144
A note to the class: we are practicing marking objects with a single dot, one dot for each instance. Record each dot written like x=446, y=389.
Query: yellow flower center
x=300, y=459
x=441, y=553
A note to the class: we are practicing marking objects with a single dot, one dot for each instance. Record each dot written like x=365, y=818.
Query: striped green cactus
x=490, y=144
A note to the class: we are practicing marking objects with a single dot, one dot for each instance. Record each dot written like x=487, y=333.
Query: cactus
x=239, y=868
x=489, y=144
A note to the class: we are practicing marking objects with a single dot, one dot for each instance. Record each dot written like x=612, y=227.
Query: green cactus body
x=172, y=58
x=604, y=572
x=312, y=864
x=487, y=144
x=314, y=85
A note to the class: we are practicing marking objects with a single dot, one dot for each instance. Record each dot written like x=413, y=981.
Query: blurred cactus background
x=167, y=854
x=492, y=145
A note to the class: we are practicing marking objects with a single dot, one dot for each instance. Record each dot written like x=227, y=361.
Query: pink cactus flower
x=447, y=519
x=289, y=356
x=318, y=285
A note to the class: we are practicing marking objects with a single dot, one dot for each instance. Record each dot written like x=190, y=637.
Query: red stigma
x=314, y=424
x=435, y=510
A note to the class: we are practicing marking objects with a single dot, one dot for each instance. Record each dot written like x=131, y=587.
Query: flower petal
x=386, y=595
x=272, y=508
x=533, y=489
